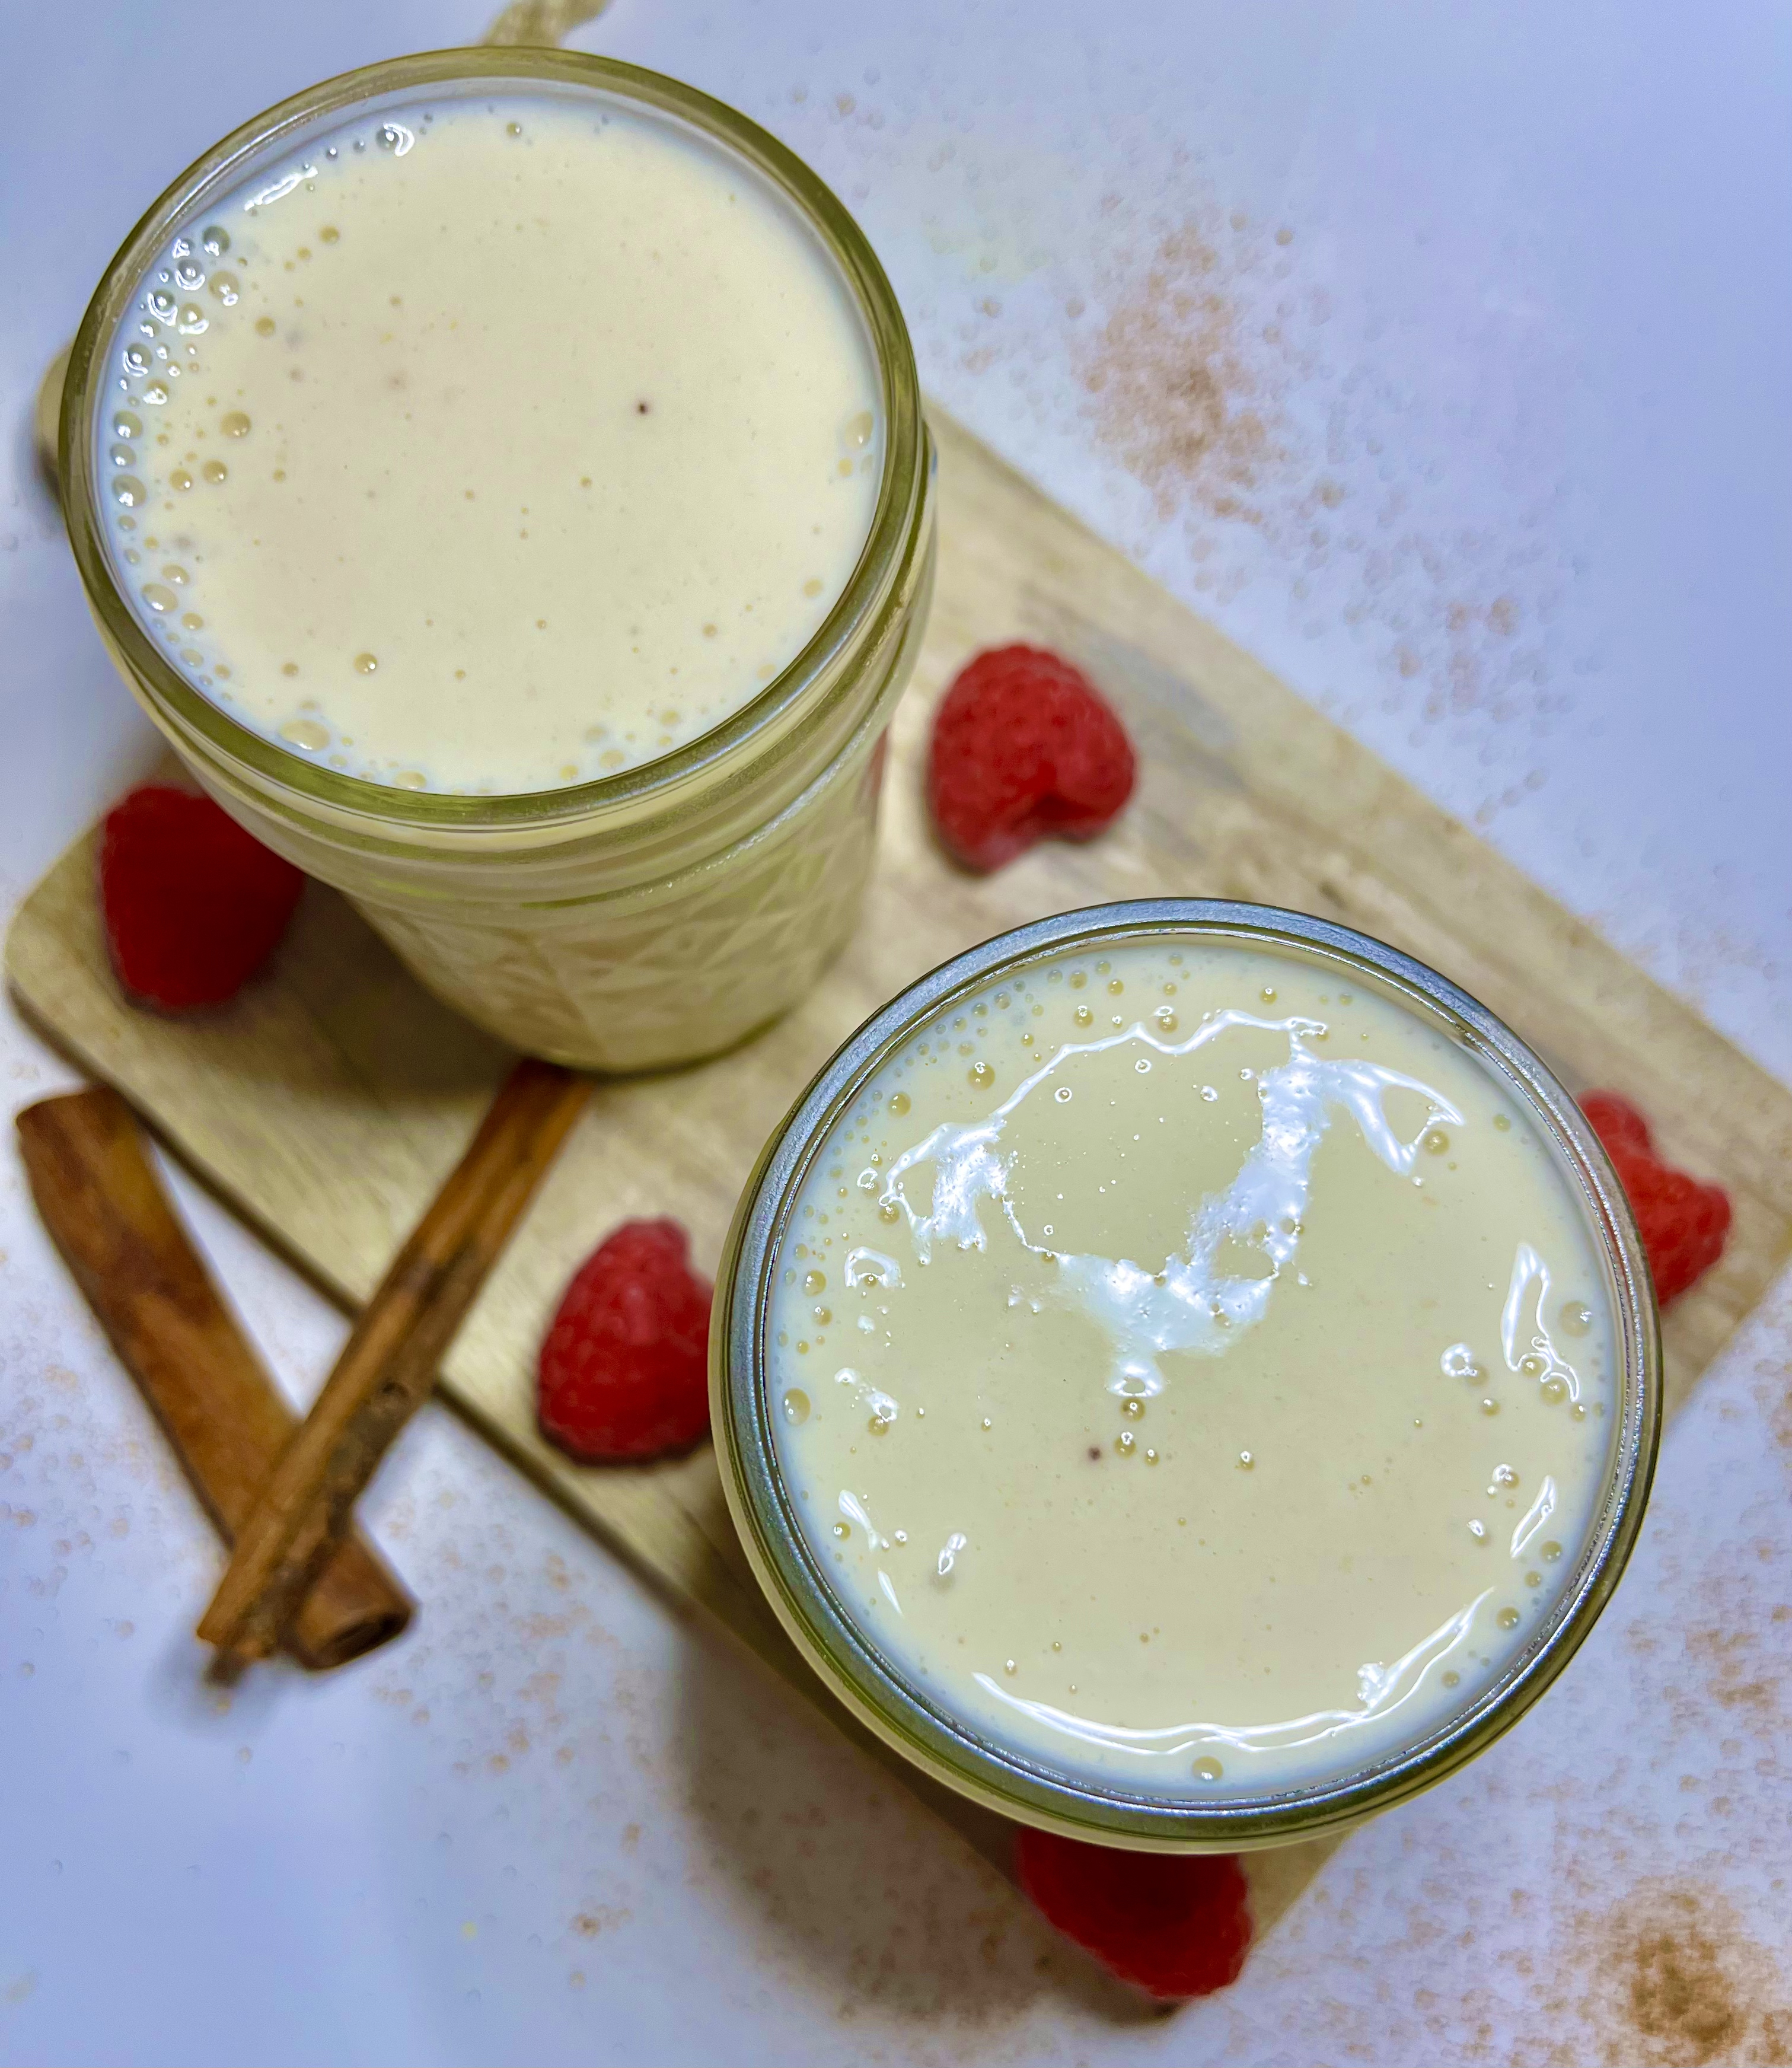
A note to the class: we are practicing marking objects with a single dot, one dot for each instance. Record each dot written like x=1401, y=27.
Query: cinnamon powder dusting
x=1678, y=1983
x=1179, y=391
x=1216, y=371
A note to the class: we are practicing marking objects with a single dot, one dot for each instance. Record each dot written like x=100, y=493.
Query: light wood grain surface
x=330, y=1102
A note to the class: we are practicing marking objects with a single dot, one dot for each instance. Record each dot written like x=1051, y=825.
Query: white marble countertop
x=1517, y=516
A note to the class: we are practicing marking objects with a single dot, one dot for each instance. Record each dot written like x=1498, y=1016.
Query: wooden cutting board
x=328, y=1103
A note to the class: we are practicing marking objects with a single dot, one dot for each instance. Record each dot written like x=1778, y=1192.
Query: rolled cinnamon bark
x=228, y=1423
x=388, y=1364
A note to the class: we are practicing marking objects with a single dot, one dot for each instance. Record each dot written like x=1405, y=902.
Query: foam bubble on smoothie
x=509, y=441
x=1255, y=1376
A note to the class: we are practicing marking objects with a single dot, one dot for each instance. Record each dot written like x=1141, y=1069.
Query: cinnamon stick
x=112, y=1221
x=388, y=1364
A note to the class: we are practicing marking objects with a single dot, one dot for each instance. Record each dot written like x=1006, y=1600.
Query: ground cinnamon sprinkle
x=1679, y=1993
x=1211, y=371
x=1673, y=1980
x=1178, y=389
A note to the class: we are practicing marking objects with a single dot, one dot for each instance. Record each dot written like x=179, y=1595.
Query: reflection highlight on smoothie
x=1381, y=1690
x=1190, y=1304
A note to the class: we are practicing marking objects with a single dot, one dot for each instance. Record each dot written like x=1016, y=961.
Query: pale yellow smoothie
x=1192, y=1371
x=493, y=444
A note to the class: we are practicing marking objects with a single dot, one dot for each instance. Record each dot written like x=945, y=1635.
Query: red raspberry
x=193, y=905
x=624, y=1370
x=1023, y=747
x=1178, y=1925
x=1682, y=1224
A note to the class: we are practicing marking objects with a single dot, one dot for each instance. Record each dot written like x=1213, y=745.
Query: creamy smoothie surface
x=491, y=444
x=1191, y=1368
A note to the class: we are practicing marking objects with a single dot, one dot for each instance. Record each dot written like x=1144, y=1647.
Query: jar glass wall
x=646, y=917
x=1079, y=1407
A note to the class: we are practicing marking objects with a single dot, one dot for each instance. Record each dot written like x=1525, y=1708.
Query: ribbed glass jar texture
x=655, y=916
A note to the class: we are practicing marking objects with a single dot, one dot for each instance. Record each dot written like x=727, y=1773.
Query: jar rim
x=913, y=1721
x=814, y=671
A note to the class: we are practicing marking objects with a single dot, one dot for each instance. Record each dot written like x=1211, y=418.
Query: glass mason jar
x=655, y=916
x=906, y=1709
